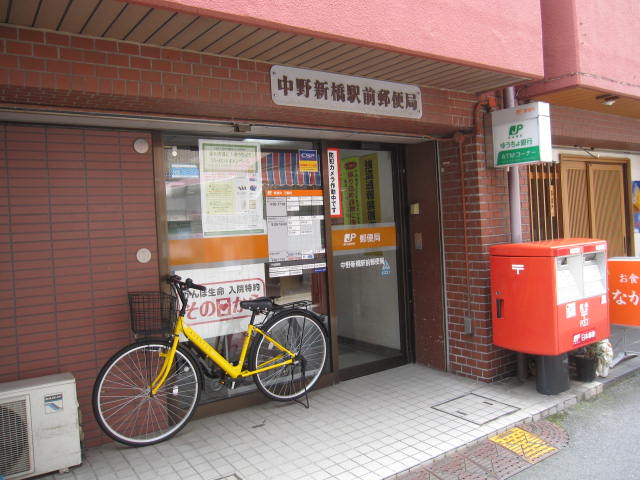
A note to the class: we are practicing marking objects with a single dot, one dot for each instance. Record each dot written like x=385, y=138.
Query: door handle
x=499, y=305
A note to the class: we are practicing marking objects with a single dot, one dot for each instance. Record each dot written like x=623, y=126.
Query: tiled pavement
x=372, y=427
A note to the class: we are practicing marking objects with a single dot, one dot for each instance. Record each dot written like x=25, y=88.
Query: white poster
x=217, y=311
x=294, y=224
x=230, y=188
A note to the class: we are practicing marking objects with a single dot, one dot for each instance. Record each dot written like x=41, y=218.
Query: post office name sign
x=521, y=135
x=300, y=87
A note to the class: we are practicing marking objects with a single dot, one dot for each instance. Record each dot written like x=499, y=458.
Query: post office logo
x=349, y=238
x=517, y=268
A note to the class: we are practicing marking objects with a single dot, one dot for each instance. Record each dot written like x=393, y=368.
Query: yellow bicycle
x=150, y=389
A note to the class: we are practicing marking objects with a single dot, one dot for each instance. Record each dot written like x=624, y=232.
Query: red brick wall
x=75, y=206
x=58, y=70
x=91, y=204
x=53, y=69
x=467, y=281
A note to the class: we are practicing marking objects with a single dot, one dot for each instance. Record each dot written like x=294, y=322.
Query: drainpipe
x=515, y=217
x=514, y=181
x=458, y=137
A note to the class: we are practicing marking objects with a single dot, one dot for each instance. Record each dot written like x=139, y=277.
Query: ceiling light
x=607, y=100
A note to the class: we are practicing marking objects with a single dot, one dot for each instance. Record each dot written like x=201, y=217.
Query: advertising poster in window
x=230, y=188
x=217, y=310
x=295, y=226
x=371, y=188
x=360, y=189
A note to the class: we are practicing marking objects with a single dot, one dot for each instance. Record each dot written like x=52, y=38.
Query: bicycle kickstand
x=305, y=404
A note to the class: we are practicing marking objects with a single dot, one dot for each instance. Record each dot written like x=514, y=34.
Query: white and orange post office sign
x=364, y=238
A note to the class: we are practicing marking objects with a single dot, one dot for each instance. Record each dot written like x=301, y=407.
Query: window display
x=245, y=218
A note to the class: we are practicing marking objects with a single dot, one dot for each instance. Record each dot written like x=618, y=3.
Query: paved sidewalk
x=374, y=427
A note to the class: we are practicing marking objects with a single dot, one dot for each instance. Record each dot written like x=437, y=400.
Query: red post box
x=549, y=297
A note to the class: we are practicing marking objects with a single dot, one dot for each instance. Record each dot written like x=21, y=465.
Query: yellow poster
x=360, y=189
x=308, y=165
x=219, y=198
x=371, y=188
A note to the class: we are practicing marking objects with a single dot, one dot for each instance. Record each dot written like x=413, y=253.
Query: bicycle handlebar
x=179, y=287
x=189, y=283
x=186, y=285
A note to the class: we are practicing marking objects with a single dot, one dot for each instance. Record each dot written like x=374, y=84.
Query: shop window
x=245, y=219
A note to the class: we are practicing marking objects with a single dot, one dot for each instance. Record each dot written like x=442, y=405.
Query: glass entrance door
x=370, y=319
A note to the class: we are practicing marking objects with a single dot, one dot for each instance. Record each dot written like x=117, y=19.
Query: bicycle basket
x=152, y=313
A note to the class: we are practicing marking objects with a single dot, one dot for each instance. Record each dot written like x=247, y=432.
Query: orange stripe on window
x=360, y=238
x=218, y=249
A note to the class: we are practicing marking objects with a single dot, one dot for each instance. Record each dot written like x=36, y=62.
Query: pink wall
x=500, y=35
x=592, y=43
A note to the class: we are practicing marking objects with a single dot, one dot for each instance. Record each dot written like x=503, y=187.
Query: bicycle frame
x=234, y=371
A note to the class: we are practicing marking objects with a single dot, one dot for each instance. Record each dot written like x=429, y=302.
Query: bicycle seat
x=261, y=304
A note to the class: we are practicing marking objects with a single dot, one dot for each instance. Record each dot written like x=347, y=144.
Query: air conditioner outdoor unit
x=39, y=431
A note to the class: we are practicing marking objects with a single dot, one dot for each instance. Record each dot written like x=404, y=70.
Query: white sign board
x=217, y=310
x=335, y=194
x=230, y=188
x=521, y=135
x=299, y=87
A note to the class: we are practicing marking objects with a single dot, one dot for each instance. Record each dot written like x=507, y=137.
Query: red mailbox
x=549, y=297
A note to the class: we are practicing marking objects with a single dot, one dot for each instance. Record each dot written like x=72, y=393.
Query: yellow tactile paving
x=523, y=443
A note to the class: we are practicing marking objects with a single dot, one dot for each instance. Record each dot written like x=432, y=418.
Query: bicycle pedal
x=229, y=384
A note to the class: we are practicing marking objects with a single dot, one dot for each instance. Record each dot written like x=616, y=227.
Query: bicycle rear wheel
x=122, y=402
x=300, y=333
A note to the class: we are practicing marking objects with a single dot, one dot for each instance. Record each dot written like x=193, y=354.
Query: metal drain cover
x=475, y=408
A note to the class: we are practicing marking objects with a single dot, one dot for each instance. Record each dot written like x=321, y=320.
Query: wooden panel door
x=593, y=203
x=575, y=199
x=608, y=220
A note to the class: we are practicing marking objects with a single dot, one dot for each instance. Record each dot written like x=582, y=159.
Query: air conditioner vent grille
x=15, y=449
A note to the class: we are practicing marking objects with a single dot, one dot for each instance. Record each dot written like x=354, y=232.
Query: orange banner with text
x=624, y=290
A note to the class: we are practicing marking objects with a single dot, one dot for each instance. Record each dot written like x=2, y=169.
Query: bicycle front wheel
x=300, y=333
x=122, y=400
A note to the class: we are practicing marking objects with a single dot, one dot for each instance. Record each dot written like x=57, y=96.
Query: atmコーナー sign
x=521, y=135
